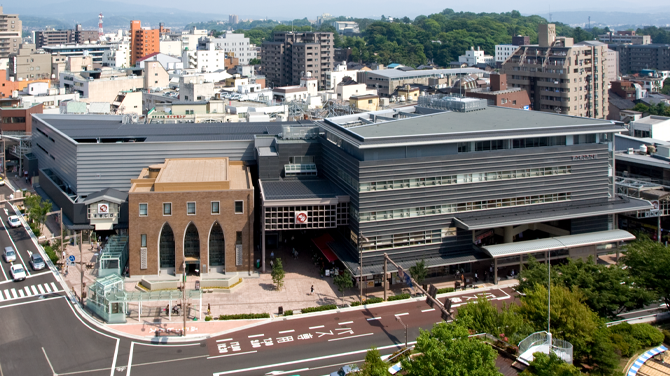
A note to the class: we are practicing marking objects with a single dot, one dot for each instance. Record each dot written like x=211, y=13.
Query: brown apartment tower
x=143, y=42
x=288, y=54
x=561, y=76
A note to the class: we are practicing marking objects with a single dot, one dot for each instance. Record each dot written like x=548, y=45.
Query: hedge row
x=445, y=290
x=399, y=297
x=245, y=316
x=369, y=301
x=288, y=312
x=319, y=308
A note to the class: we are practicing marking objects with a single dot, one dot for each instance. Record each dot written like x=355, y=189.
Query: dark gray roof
x=299, y=189
x=109, y=126
x=548, y=212
x=107, y=193
x=620, y=103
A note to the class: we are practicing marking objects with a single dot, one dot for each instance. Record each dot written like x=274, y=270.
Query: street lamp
x=403, y=324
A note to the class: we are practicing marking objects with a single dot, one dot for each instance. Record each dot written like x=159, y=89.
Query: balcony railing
x=544, y=342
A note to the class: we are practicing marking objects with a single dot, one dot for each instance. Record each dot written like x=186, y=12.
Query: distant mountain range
x=610, y=18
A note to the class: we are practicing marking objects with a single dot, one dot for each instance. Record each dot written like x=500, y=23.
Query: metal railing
x=543, y=342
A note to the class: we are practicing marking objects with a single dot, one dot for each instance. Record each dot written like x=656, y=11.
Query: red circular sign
x=301, y=217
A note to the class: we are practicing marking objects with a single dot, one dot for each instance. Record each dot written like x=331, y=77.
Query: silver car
x=9, y=254
x=37, y=262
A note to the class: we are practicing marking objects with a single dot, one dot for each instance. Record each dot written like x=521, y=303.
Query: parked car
x=13, y=221
x=37, y=262
x=17, y=272
x=2, y=181
x=9, y=254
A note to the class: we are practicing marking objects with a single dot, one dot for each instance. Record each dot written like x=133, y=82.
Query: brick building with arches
x=195, y=213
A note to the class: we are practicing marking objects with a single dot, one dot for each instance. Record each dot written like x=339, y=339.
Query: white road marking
x=374, y=318
x=34, y=289
x=54, y=286
x=3, y=273
x=130, y=358
x=48, y=361
x=223, y=356
x=345, y=323
x=17, y=249
x=287, y=331
x=224, y=340
x=39, y=287
x=256, y=335
x=316, y=327
x=428, y=310
x=2, y=297
x=14, y=293
x=401, y=314
x=116, y=352
x=28, y=302
x=28, y=293
x=46, y=287
x=358, y=335
x=7, y=294
x=21, y=293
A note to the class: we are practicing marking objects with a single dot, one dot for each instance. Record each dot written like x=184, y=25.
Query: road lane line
x=2, y=267
x=17, y=248
x=27, y=277
x=116, y=352
x=41, y=289
x=256, y=335
x=130, y=358
x=54, y=286
x=21, y=293
x=316, y=327
x=428, y=310
x=28, y=293
x=29, y=302
x=7, y=294
x=14, y=293
x=223, y=356
x=287, y=331
x=345, y=323
x=46, y=287
x=48, y=361
x=293, y=372
x=374, y=318
x=358, y=335
x=34, y=289
x=166, y=345
x=401, y=314
x=224, y=340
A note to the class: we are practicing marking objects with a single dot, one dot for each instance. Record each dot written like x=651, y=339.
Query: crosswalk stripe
x=1, y=297
x=20, y=293
x=39, y=287
x=34, y=289
x=7, y=294
x=46, y=287
x=14, y=293
x=28, y=293
x=54, y=286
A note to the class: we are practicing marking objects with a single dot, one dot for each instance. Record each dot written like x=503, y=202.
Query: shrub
x=36, y=229
x=399, y=297
x=319, y=308
x=355, y=304
x=629, y=338
x=445, y=290
x=245, y=316
x=53, y=255
x=666, y=334
x=288, y=312
x=647, y=334
x=625, y=347
x=208, y=318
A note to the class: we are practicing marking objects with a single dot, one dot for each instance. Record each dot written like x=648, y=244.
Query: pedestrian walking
x=272, y=264
x=209, y=309
x=311, y=290
x=476, y=277
x=272, y=254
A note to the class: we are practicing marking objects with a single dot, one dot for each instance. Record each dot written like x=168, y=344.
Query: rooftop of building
x=423, y=125
x=395, y=73
x=111, y=129
x=653, y=119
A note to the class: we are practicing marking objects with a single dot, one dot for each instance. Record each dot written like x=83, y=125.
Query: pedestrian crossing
x=28, y=291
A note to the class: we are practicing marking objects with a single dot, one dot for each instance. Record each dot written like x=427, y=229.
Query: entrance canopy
x=322, y=243
x=501, y=217
x=556, y=243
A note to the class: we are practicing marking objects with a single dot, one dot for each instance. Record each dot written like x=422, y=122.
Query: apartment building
x=76, y=35
x=612, y=65
x=28, y=63
x=207, y=59
x=228, y=42
x=561, y=76
x=290, y=54
x=474, y=57
x=96, y=51
x=624, y=36
x=143, y=42
x=634, y=58
x=346, y=27
x=10, y=34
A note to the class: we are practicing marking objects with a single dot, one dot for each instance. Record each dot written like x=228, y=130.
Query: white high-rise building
x=503, y=51
x=237, y=43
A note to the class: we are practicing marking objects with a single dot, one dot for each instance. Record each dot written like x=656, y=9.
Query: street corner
x=175, y=328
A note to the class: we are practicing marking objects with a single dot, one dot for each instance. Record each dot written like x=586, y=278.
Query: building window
x=190, y=208
x=167, y=208
x=143, y=240
x=144, y=210
x=238, y=248
x=215, y=207
x=239, y=207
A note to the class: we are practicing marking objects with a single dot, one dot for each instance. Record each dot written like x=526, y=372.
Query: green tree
x=649, y=263
x=374, y=365
x=343, y=282
x=483, y=317
x=666, y=86
x=418, y=272
x=549, y=365
x=532, y=274
x=255, y=61
x=602, y=356
x=37, y=209
x=447, y=350
x=571, y=319
x=278, y=274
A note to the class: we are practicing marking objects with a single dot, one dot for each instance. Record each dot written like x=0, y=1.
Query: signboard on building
x=300, y=217
x=655, y=212
x=103, y=208
x=584, y=157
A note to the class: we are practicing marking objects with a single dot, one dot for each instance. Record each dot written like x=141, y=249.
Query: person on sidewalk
x=311, y=291
x=476, y=278
x=209, y=310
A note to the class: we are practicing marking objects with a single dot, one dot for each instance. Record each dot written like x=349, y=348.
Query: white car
x=13, y=221
x=17, y=272
x=9, y=254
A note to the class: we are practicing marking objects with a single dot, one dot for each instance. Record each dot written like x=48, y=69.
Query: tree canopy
x=648, y=263
x=549, y=365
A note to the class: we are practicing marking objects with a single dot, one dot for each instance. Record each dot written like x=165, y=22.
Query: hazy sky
x=411, y=8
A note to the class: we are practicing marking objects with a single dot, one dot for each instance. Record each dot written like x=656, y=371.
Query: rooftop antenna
x=549, y=13
x=100, y=33
x=589, y=22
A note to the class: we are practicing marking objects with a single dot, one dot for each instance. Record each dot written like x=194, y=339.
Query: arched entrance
x=166, y=247
x=217, y=248
x=192, y=249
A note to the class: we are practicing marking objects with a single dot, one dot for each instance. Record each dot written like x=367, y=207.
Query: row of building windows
x=463, y=178
x=407, y=239
x=190, y=208
x=520, y=143
x=423, y=211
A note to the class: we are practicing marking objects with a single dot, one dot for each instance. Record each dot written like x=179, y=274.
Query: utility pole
x=403, y=324
x=386, y=280
x=183, y=297
x=81, y=266
x=4, y=156
x=62, y=238
x=360, y=262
